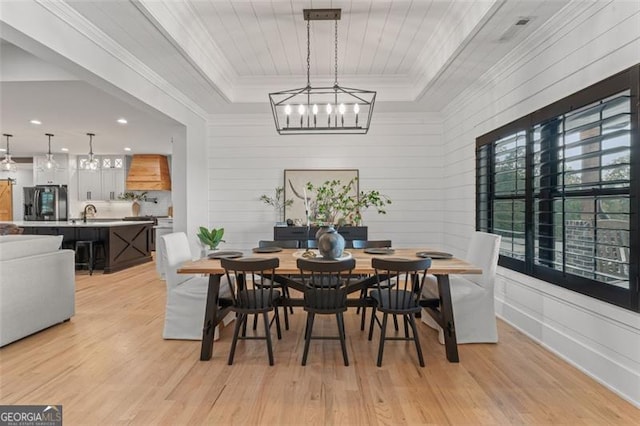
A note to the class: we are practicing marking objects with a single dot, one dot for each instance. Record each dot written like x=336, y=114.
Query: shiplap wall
x=401, y=156
x=583, y=44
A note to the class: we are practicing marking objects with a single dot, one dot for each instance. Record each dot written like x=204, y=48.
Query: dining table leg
x=210, y=317
x=448, y=326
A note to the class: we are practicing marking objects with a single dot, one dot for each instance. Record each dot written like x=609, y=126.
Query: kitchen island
x=126, y=243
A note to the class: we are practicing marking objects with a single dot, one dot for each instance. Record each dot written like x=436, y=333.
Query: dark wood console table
x=287, y=233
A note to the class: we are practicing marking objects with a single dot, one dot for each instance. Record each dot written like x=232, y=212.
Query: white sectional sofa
x=37, y=285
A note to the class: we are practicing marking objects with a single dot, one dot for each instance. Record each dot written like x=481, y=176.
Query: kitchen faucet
x=84, y=212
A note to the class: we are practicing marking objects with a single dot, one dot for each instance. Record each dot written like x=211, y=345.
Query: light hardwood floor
x=110, y=365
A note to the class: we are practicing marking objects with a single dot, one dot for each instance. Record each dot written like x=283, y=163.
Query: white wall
x=401, y=156
x=583, y=44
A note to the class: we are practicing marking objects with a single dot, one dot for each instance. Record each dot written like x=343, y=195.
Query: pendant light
x=7, y=165
x=322, y=110
x=49, y=161
x=91, y=163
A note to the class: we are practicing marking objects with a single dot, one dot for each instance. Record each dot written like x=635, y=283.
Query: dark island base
x=124, y=246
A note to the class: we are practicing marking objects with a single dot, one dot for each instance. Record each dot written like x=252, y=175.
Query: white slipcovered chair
x=186, y=293
x=472, y=296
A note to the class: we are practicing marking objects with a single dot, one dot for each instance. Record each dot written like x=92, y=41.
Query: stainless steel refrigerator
x=45, y=202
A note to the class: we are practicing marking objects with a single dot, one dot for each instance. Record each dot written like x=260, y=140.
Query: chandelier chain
x=336, y=53
x=308, y=52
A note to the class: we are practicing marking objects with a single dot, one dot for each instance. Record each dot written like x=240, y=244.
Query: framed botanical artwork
x=295, y=188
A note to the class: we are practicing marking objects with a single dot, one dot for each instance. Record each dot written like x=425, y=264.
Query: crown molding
x=456, y=40
x=184, y=29
x=84, y=27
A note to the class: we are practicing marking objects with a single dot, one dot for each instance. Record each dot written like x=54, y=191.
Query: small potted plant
x=278, y=203
x=211, y=238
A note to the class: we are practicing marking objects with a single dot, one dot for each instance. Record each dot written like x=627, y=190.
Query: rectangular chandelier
x=322, y=110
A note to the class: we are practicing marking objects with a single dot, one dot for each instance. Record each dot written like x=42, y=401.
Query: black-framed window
x=561, y=186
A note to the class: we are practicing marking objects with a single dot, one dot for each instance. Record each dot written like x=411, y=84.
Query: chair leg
x=277, y=318
x=373, y=319
x=240, y=319
x=405, y=320
x=91, y=259
x=307, y=340
x=286, y=316
x=382, y=335
x=255, y=324
x=343, y=341
x=286, y=293
x=363, y=294
x=412, y=321
x=267, y=331
x=395, y=322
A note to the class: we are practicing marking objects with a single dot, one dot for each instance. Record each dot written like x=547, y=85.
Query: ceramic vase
x=330, y=243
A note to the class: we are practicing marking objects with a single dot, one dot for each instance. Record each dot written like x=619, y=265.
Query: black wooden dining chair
x=325, y=293
x=402, y=299
x=252, y=295
x=285, y=244
x=365, y=244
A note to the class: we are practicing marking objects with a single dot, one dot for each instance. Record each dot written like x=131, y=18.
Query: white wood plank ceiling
x=239, y=50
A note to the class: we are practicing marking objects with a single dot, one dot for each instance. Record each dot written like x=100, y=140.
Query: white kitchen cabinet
x=54, y=176
x=106, y=183
x=113, y=176
x=112, y=183
x=89, y=185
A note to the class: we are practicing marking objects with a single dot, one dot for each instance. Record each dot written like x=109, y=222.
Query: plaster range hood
x=149, y=172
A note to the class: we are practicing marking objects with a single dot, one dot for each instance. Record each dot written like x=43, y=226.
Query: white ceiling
x=223, y=53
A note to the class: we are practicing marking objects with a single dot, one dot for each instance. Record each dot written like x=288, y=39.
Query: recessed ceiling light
x=64, y=149
x=38, y=122
x=122, y=120
x=127, y=149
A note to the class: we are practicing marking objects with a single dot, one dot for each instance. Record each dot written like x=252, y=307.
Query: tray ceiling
x=227, y=55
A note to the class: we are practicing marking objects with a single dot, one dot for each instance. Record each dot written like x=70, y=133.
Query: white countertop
x=79, y=223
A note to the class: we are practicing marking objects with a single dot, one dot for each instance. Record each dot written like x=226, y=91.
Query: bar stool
x=90, y=258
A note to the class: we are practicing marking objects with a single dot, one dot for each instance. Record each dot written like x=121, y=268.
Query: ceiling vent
x=515, y=28
x=149, y=172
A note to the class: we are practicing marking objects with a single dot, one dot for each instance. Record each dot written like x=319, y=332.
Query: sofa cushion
x=15, y=246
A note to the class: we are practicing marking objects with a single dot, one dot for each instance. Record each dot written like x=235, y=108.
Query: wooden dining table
x=439, y=306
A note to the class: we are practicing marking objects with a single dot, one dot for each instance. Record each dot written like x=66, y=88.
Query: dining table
x=439, y=306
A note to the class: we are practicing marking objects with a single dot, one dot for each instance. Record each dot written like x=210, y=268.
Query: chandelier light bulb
x=342, y=109
x=315, y=109
x=287, y=111
x=329, y=109
x=301, y=109
x=356, y=108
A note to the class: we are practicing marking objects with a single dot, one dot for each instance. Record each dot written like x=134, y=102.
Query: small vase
x=331, y=244
x=135, y=208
